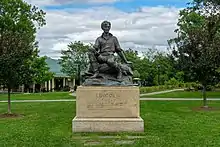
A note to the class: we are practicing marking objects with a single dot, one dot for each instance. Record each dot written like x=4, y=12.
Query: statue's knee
x=111, y=62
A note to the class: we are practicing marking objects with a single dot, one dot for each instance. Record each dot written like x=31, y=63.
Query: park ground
x=167, y=124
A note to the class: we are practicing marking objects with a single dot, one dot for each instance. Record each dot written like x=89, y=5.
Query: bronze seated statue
x=104, y=69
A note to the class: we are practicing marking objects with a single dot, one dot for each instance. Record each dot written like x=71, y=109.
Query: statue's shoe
x=95, y=75
x=119, y=76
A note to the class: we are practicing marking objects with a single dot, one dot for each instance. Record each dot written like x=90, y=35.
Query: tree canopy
x=41, y=71
x=74, y=60
x=197, y=45
x=19, y=22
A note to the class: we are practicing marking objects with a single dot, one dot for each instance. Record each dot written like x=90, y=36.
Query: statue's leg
x=94, y=65
x=112, y=63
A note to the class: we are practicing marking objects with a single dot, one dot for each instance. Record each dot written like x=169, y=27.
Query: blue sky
x=125, y=5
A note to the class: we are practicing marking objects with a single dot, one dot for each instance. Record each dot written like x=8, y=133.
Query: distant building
x=60, y=82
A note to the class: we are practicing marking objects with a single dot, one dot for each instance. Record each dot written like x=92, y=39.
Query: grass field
x=38, y=96
x=184, y=94
x=167, y=124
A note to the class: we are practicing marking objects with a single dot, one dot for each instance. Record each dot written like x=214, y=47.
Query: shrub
x=196, y=87
x=210, y=88
x=217, y=86
x=174, y=83
x=193, y=86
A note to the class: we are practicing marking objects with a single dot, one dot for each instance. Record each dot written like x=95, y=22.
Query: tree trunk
x=9, y=100
x=34, y=88
x=40, y=89
x=204, y=96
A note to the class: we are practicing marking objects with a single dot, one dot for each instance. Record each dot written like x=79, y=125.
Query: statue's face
x=106, y=26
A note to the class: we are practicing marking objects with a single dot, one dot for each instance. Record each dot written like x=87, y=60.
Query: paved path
x=151, y=93
x=178, y=99
x=161, y=92
x=142, y=99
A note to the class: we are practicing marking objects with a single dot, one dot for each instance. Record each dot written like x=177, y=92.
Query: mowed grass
x=167, y=124
x=184, y=94
x=38, y=96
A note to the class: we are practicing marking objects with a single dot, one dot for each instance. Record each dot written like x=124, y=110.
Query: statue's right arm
x=97, y=44
x=96, y=47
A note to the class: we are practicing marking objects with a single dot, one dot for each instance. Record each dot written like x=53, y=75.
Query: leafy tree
x=155, y=67
x=74, y=60
x=197, y=45
x=150, y=53
x=132, y=55
x=163, y=68
x=19, y=22
x=180, y=76
x=140, y=65
x=146, y=71
x=136, y=74
x=41, y=71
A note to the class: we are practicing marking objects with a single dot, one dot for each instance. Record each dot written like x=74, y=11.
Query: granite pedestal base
x=107, y=109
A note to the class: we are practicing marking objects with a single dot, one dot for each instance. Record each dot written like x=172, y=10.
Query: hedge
x=186, y=86
x=157, y=88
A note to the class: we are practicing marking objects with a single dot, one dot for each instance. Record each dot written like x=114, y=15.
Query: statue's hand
x=91, y=49
x=94, y=51
x=129, y=62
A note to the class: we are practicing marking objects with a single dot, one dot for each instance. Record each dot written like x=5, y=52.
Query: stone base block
x=108, y=124
x=107, y=102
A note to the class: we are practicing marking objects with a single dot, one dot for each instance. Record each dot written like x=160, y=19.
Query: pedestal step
x=108, y=124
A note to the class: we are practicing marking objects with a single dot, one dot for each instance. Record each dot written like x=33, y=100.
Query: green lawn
x=167, y=124
x=184, y=94
x=38, y=96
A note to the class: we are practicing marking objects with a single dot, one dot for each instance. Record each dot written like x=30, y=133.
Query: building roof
x=55, y=67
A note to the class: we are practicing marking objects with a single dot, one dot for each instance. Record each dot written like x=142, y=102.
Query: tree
x=131, y=55
x=197, y=45
x=163, y=68
x=155, y=67
x=180, y=76
x=74, y=60
x=19, y=22
x=41, y=70
x=141, y=66
x=136, y=74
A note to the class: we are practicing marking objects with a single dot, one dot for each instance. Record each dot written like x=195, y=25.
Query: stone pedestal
x=107, y=109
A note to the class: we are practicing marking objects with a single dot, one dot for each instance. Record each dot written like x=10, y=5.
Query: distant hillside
x=55, y=67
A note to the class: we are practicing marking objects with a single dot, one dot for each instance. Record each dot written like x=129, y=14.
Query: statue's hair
x=104, y=23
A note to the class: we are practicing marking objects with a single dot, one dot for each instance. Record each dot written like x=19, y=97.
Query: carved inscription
x=107, y=101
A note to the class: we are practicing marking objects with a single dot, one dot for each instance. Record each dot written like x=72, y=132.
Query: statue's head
x=106, y=26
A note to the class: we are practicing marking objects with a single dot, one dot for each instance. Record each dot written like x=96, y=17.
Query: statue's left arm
x=119, y=51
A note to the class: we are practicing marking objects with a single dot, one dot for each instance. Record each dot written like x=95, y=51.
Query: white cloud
x=147, y=27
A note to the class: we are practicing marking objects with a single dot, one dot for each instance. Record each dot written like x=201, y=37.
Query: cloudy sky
x=138, y=24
